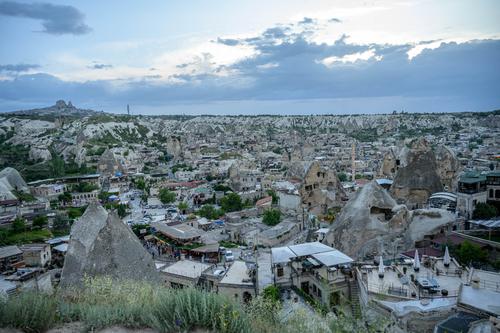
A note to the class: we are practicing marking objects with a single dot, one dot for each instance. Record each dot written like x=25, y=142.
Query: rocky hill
x=61, y=108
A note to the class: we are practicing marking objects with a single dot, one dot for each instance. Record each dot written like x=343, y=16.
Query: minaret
x=353, y=161
x=416, y=261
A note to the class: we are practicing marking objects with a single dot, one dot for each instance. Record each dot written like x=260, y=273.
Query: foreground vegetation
x=103, y=303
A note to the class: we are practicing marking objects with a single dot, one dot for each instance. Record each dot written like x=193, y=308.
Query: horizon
x=284, y=57
x=276, y=114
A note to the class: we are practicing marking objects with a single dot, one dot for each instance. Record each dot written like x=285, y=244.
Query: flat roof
x=332, y=258
x=306, y=249
x=187, y=268
x=495, y=223
x=237, y=273
x=281, y=254
x=324, y=254
x=481, y=299
x=180, y=231
x=9, y=251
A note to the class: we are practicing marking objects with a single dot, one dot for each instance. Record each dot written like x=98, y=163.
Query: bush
x=60, y=226
x=210, y=212
x=271, y=217
x=166, y=196
x=272, y=293
x=231, y=202
x=484, y=211
x=18, y=226
x=31, y=312
x=40, y=222
x=469, y=253
x=104, y=302
x=186, y=309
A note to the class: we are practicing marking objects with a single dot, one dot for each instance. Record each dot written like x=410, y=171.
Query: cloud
x=56, y=19
x=306, y=20
x=18, y=68
x=334, y=20
x=283, y=63
x=100, y=66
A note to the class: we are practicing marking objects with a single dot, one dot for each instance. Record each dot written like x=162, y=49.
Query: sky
x=250, y=57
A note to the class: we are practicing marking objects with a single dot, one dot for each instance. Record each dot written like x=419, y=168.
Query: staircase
x=353, y=289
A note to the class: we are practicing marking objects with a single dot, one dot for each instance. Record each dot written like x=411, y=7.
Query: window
x=497, y=194
x=491, y=193
x=319, y=292
x=280, y=271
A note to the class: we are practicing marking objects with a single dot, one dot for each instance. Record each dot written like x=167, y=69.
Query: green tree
x=342, y=177
x=274, y=196
x=65, y=197
x=271, y=293
x=40, y=221
x=18, y=225
x=469, y=253
x=484, y=211
x=121, y=210
x=183, y=206
x=140, y=184
x=57, y=165
x=271, y=217
x=166, y=196
x=61, y=225
x=210, y=212
x=231, y=202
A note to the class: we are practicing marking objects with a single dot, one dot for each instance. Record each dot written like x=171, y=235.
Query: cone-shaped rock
x=101, y=245
x=367, y=222
x=446, y=258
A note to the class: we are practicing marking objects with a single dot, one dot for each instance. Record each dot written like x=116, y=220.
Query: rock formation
x=368, y=220
x=320, y=187
x=414, y=183
x=372, y=223
x=10, y=181
x=101, y=245
x=448, y=167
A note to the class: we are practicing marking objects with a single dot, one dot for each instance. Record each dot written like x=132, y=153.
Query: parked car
x=229, y=255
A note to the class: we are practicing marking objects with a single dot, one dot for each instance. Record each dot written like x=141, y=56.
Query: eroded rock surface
x=102, y=245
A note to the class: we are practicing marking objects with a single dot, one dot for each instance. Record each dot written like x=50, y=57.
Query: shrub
x=271, y=217
x=210, y=212
x=484, y=211
x=166, y=196
x=272, y=293
x=40, y=221
x=185, y=309
x=231, y=202
x=31, y=312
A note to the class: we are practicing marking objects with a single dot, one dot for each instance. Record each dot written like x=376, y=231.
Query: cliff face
x=448, y=167
x=415, y=182
x=101, y=245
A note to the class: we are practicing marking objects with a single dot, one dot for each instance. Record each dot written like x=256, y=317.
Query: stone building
x=319, y=189
x=315, y=268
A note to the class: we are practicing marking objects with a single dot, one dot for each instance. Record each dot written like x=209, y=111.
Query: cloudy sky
x=255, y=56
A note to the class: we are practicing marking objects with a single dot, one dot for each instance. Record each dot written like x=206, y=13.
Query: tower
x=353, y=161
x=128, y=109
